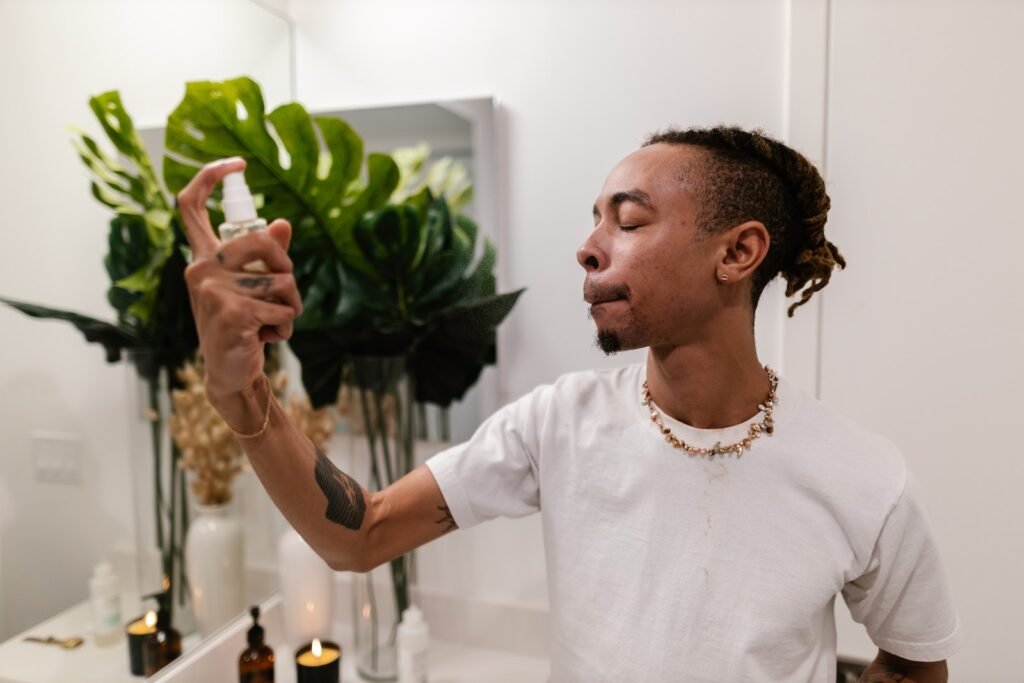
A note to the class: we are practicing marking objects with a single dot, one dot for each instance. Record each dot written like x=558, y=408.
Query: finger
x=265, y=314
x=255, y=246
x=276, y=334
x=266, y=287
x=281, y=231
x=192, y=204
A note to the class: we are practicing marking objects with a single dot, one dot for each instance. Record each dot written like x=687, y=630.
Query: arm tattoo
x=345, y=503
x=446, y=519
x=262, y=282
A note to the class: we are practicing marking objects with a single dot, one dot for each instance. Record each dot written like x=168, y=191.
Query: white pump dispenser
x=240, y=215
x=413, y=640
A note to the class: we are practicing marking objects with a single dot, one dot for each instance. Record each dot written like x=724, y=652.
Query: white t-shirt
x=668, y=567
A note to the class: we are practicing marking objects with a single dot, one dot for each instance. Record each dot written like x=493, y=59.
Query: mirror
x=74, y=477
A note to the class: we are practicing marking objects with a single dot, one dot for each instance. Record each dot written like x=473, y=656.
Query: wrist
x=243, y=409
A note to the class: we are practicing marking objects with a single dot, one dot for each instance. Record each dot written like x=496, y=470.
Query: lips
x=595, y=294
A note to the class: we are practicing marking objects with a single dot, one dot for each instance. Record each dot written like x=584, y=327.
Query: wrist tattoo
x=262, y=282
x=446, y=519
x=345, y=503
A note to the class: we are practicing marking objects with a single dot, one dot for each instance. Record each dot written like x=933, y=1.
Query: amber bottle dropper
x=163, y=646
x=256, y=665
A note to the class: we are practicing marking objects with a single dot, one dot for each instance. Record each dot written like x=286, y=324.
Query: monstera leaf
x=430, y=296
x=449, y=359
x=141, y=237
x=446, y=177
x=297, y=177
x=113, y=338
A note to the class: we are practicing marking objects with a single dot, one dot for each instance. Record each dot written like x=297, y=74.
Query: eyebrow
x=636, y=196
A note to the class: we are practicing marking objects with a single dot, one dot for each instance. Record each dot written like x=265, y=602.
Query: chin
x=614, y=341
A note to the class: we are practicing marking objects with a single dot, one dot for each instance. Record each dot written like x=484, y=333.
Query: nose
x=589, y=255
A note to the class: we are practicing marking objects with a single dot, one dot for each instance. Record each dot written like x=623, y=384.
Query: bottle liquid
x=105, y=595
x=164, y=646
x=256, y=665
x=413, y=639
x=240, y=215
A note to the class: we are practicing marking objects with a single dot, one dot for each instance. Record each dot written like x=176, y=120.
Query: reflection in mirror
x=77, y=490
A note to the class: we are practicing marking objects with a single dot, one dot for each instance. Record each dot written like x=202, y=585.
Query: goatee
x=608, y=342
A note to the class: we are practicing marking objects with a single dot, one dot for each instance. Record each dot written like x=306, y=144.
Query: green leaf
x=449, y=360
x=286, y=164
x=143, y=188
x=140, y=239
x=323, y=354
x=113, y=338
x=446, y=177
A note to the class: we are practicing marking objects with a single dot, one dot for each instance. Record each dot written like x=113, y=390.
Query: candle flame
x=366, y=611
x=150, y=619
x=317, y=649
x=165, y=583
x=310, y=607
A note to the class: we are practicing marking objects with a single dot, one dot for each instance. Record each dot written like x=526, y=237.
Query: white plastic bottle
x=105, y=595
x=240, y=215
x=413, y=640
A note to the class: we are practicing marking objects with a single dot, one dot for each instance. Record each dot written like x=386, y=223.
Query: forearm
x=888, y=668
x=326, y=506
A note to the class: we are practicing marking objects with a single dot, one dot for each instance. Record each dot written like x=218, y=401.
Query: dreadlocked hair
x=747, y=175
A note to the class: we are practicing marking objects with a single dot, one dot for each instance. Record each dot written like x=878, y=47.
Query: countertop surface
x=23, y=662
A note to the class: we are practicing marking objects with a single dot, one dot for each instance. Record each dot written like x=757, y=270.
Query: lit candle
x=138, y=631
x=318, y=663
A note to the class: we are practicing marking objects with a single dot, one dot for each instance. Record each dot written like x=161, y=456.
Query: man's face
x=649, y=282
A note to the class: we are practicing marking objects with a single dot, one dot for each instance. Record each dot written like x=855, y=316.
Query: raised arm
x=236, y=313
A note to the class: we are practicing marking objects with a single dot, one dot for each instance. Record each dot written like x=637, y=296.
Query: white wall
x=922, y=335
x=579, y=85
x=53, y=56
x=916, y=129
x=912, y=108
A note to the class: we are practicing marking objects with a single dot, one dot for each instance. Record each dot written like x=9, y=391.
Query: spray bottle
x=240, y=215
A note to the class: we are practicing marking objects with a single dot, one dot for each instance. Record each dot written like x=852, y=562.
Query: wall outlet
x=57, y=458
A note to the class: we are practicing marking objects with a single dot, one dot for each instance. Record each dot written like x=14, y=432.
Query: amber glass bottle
x=256, y=665
x=164, y=646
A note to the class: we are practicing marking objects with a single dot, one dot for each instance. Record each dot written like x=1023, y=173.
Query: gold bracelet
x=266, y=418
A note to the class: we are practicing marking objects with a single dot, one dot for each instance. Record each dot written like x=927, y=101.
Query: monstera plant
x=410, y=279
x=397, y=284
x=145, y=261
x=398, y=288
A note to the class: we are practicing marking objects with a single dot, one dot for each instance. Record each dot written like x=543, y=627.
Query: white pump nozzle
x=237, y=203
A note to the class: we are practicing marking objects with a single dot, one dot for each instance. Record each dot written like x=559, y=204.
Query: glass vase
x=158, y=487
x=382, y=418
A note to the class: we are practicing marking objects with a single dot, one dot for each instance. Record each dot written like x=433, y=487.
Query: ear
x=744, y=248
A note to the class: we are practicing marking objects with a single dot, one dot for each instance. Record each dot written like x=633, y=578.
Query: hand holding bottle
x=236, y=310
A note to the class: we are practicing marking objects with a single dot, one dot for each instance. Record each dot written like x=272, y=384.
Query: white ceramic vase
x=214, y=563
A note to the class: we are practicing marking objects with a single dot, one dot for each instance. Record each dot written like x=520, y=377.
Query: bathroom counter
x=214, y=659
x=22, y=662
x=450, y=663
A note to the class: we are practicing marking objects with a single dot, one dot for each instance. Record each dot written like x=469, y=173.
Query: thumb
x=281, y=232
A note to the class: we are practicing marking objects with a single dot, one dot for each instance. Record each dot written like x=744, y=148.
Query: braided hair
x=747, y=175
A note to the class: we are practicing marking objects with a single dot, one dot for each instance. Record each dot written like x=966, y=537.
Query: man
x=700, y=514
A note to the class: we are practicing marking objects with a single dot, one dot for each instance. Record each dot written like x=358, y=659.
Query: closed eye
x=628, y=228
